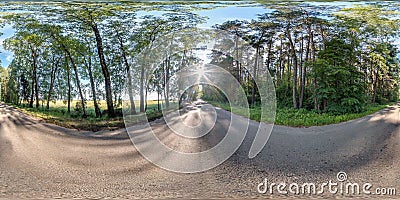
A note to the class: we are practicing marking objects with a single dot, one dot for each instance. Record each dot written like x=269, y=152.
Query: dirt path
x=39, y=160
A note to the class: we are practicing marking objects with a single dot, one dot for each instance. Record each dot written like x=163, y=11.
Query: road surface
x=40, y=160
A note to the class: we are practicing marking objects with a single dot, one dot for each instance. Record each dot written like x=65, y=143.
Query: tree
x=121, y=34
x=90, y=17
x=340, y=88
x=149, y=30
x=238, y=29
x=290, y=18
x=262, y=31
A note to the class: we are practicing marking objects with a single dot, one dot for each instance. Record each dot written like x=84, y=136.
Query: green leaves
x=340, y=86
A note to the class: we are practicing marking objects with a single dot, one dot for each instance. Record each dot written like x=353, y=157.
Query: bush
x=351, y=105
x=78, y=109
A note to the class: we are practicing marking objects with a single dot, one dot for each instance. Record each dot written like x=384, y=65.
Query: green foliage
x=340, y=88
x=302, y=117
x=282, y=94
x=78, y=109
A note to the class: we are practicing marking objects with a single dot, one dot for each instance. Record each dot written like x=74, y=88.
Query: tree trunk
x=78, y=83
x=145, y=99
x=52, y=78
x=316, y=105
x=301, y=65
x=142, y=89
x=375, y=86
x=158, y=97
x=167, y=71
x=237, y=57
x=69, y=56
x=104, y=68
x=128, y=71
x=34, y=77
x=305, y=70
x=93, y=86
x=69, y=85
x=294, y=57
x=323, y=35
x=289, y=71
x=32, y=89
x=281, y=71
x=253, y=89
x=269, y=53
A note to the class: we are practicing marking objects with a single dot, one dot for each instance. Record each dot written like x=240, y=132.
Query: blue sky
x=220, y=15
x=5, y=56
x=216, y=16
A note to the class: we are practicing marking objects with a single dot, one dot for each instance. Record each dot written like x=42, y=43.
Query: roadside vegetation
x=57, y=114
x=302, y=117
x=284, y=116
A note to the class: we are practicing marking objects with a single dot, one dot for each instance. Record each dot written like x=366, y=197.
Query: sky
x=220, y=15
x=216, y=16
x=5, y=56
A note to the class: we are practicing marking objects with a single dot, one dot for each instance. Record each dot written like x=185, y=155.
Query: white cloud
x=9, y=58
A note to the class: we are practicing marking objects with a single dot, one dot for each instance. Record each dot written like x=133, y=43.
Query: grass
x=57, y=114
x=303, y=118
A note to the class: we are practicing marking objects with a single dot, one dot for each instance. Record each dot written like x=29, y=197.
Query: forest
x=323, y=60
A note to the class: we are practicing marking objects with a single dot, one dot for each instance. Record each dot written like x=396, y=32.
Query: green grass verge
x=284, y=116
x=57, y=114
x=69, y=120
x=304, y=118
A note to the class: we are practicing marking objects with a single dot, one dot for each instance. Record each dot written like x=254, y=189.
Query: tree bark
x=237, y=57
x=301, y=95
x=158, y=97
x=52, y=78
x=145, y=99
x=281, y=68
x=253, y=89
x=289, y=71
x=269, y=53
x=69, y=85
x=78, y=83
x=305, y=70
x=32, y=89
x=69, y=56
x=129, y=75
x=375, y=86
x=93, y=86
x=36, y=82
x=167, y=72
x=142, y=88
x=294, y=57
x=104, y=68
x=35, y=87
x=316, y=105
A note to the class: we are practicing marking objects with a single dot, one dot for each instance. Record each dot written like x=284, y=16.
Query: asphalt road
x=40, y=160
